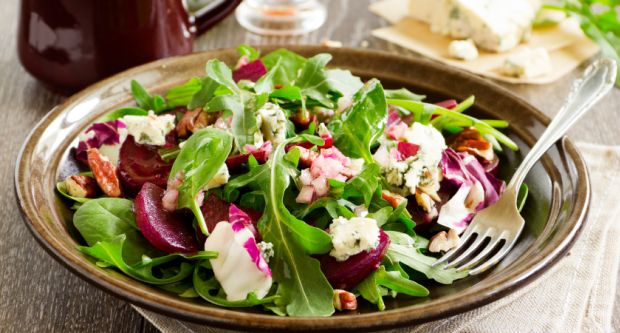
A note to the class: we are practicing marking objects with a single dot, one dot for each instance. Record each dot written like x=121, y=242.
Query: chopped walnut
x=444, y=241
x=104, y=172
x=80, y=186
x=426, y=202
x=344, y=300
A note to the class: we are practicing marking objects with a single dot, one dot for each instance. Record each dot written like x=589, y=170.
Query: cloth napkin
x=576, y=295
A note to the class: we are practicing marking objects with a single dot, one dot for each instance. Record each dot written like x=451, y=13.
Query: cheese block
x=493, y=25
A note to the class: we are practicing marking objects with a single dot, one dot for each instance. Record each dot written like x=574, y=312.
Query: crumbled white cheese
x=463, y=49
x=235, y=268
x=495, y=25
x=430, y=140
x=419, y=170
x=151, y=129
x=352, y=236
x=527, y=63
x=272, y=123
x=220, y=178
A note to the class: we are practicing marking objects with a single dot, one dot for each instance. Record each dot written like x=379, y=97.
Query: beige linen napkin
x=576, y=295
x=566, y=44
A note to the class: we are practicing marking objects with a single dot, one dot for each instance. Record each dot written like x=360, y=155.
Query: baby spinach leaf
x=145, y=101
x=207, y=287
x=103, y=219
x=290, y=65
x=182, y=95
x=199, y=160
x=110, y=254
x=412, y=258
x=358, y=127
x=343, y=82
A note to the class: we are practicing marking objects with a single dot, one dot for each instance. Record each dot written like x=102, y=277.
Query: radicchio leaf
x=106, y=133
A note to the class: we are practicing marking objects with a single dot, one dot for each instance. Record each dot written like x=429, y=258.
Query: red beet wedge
x=166, y=231
x=139, y=164
x=347, y=274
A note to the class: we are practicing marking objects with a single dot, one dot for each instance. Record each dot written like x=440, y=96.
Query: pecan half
x=194, y=120
x=469, y=140
x=104, y=172
x=80, y=186
x=344, y=300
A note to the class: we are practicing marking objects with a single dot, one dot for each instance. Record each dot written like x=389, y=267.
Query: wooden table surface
x=38, y=295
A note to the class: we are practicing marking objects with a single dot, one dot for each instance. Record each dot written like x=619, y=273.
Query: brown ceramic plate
x=555, y=210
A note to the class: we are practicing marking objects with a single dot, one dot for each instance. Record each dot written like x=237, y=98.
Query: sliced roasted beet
x=448, y=104
x=236, y=161
x=407, y=149
x=214, y=210
x=252, y=71
x=139, y=164
x=166, y=231
x=347, y=274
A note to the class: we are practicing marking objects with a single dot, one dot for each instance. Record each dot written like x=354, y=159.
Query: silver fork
x=502, y=221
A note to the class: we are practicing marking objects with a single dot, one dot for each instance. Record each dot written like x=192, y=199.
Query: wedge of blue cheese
x=493, y=25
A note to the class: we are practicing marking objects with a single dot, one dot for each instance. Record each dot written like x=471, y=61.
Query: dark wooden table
x=38, y=295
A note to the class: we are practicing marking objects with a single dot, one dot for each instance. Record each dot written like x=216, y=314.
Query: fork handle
x=596, y=82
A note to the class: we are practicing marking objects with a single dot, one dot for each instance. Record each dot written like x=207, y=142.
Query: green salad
x=284, y=184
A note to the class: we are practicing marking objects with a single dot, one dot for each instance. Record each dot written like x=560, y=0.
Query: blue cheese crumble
x=353, y=236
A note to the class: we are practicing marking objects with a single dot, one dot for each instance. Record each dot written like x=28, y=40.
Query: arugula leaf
x=266, y=84
x=110, y=254
x=182, y=95
x=145, y=101
x=290, y=93
x=313, y=80
x=204, y=95
x=199, y=160
x=356, y=130
x=221, y=73
x=403, y=93
x=363, y=185
x=371, y=291
x=394, y=281
x=412, y=258
x=244, y=124
x=205, y=285
x=248, y=51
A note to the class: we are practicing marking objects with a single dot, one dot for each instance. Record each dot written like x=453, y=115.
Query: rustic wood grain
x=38, y=295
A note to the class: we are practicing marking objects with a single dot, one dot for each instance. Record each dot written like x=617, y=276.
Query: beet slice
x=347, y=274
x=252, y=71
x=166, y=231
x=214, y=210
x=139, y=164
